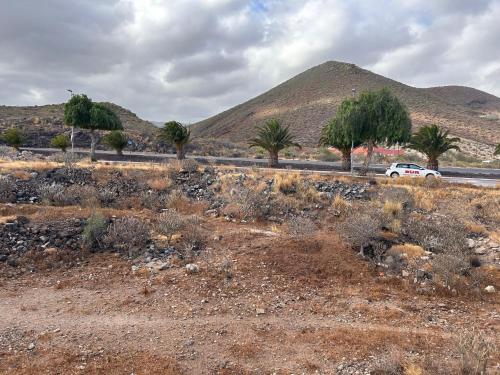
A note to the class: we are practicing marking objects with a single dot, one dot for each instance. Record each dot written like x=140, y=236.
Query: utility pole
x=72, y=130
x=352, y=138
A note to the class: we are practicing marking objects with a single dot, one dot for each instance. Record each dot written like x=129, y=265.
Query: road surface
x=475, y=176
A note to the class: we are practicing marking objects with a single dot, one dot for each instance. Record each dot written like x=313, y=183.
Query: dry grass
x=287, y=183
x=411, y=251
x=159, y=184
x=392, y=208
x=475, y=228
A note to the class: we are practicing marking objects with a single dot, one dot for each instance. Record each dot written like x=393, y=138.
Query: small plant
x=61, y=142
x=52, y=194
x=253, y=205
x=193, y=239
x=117, y=140
x=159, y=184
x=324, y=154
x=128, y=234
x=94, y=231
x=169, y=222
x=13, y=137
x=340, y=204
x=359, y=229
x=287, y=183
x=474, y=351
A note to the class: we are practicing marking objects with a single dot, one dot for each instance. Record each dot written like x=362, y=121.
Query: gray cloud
x=189, y=59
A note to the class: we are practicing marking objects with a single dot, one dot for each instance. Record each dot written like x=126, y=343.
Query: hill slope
x=40, y=123
x=309, y=99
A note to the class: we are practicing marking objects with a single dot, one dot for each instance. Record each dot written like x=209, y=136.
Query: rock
x=471, y=243
x=31, y=346
x=260, y=311
x=405, y=273
x=480, y=250
x=192, y=268
x=490, y=289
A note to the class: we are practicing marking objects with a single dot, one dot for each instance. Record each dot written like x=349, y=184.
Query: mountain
x=308, y=100
x=40, y=123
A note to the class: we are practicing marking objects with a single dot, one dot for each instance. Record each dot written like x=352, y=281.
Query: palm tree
x=176, y=133
x=432, y=141
x=273, y=138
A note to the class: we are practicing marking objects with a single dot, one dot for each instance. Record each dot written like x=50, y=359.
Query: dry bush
x=52, y=193
x=442, y=235
x=486, y=208
x=128, y=234
x=152, y=200
x=287, y=183
x=7, y=188
x=341, y=204
x=107, y=196
x=301, y=226
x=358, y=229
x=21, y=175
x=175, y=167
x=193, y=240
x=474, y=351
x=159, y=184
x=398, y=195
x=449, y=267
x=177, y=200
x=83, y=195
x=253, y=205
x=392, y=209
x=168, y=223
x=474, y=228
x=94, y=231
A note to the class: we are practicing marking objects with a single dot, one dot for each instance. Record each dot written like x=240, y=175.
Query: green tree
x=432, y=141
x=61, y=142
x=13, y=137
x=497, y=150
x=342, y=132
x=381, y=118
x=176, y=133
x=117, y=140
x=81, y=112
x=273, y=138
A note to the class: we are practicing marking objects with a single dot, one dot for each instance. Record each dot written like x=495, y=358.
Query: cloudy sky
x=189, y=59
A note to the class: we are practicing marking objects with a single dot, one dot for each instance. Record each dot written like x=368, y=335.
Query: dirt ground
x=261, y=303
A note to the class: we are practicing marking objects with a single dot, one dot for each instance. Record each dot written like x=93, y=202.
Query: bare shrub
x=193, y=239
x=128, y=234
x=301, y=226
x=176, y=200
x=474, y=351
x=359, y=229
x=159, y=184
x=169, y=222
x=107, y=196
x=52, y=193
x=437, y=236
x=390, y=363
x=287, y=183
x=175, y=167
x=94, y=231
x=448, y=266
x=7, y=188
x=340, y=204
x=80, y=194
x=253, y=205
x=152, y=200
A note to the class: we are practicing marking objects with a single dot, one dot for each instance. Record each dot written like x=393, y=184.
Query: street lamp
x=352, y=138
x=72, y=129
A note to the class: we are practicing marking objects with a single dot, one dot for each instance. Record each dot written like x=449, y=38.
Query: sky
x=187, y=60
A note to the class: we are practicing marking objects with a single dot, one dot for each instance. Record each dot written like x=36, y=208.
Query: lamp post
x=352, y=138
x=72, y=129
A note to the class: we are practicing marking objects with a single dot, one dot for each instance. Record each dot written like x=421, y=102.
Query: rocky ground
x=217, y=271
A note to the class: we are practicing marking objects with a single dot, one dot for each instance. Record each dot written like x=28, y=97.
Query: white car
x=410, y=170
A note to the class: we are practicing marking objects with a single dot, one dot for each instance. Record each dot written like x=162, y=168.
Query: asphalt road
x=476, y=176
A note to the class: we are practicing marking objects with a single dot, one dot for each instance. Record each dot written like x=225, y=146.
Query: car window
x=414, y=166
x=401, y=166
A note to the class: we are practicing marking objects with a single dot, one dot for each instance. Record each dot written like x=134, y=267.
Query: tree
x=342, y=131
x=13, y=137
x=273, y=138
x=60, y=141
x=176, y=133
x=117, y=140
x=382, y=118
x=432, y=141
x=497, y=150
x=81, y=112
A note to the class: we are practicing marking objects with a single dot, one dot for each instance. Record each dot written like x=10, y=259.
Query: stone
x=31, y=346
x=405, y=273
x=471, y=243
x=192, y=268
x=490, y=289
x=480, y=250
x=260, y=311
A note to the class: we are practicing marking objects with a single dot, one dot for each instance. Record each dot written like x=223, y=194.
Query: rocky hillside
x=40, y=123
x=309, y=99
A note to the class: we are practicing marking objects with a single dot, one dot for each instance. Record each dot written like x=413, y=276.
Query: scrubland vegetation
x=182, y=268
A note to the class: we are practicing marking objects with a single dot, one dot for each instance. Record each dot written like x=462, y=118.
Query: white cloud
x=189, y=59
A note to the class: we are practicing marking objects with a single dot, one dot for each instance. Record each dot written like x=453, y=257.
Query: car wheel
x=394, y=174
x=430, y=176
